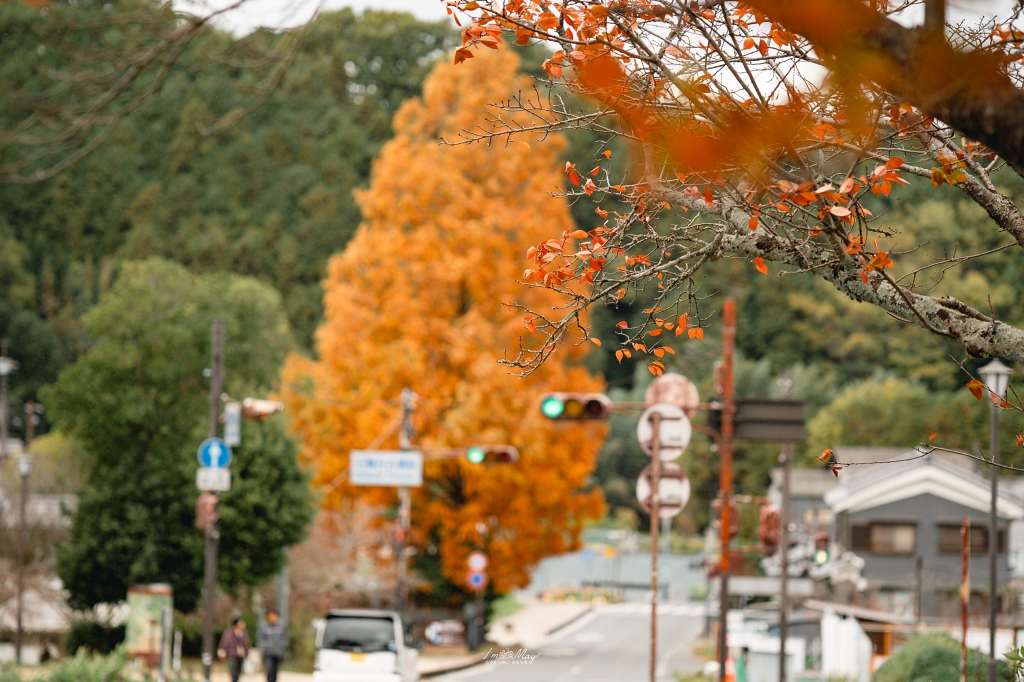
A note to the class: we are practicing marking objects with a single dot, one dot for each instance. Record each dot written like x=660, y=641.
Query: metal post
x=725, y=483
x=965, y=591
x=21, y=568
x=919, y=588
x=787, y=466
x=993, y=546
x=210, y=565
x=282, y=593
x=404, y=500
x=655, y=518
x=4, y=369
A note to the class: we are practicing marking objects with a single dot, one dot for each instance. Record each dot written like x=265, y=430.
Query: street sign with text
x=216, y=479
x=674, y=431
x=673, y=490
x=387, y=468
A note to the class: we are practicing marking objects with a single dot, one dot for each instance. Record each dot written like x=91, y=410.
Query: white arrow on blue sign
x=214, y=453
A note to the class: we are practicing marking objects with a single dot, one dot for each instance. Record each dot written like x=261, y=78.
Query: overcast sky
x=285, y=13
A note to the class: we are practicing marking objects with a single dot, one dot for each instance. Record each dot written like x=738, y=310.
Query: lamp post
x=996, y=376
x=7, y=365
x=25, y=469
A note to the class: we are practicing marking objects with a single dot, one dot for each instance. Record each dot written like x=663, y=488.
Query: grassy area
x=504, y=606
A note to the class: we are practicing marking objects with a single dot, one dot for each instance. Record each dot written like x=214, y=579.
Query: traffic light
x=576, y=406
x=769, y=528
x=492, y=454
x=820, y=548
x=206, y=511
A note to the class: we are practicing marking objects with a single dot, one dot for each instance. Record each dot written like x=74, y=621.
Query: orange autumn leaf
x=976, y=388
x=825, y=455
x=596, y=342
x=760, y=265
x=932, y=437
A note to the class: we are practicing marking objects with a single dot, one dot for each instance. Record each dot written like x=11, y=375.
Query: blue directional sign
x=214, y=453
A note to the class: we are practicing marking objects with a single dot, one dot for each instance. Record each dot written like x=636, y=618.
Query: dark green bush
x=92, y=636
x=934, y=657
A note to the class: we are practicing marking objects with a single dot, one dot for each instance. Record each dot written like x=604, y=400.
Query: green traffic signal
x=475, y=454
x=552, y=407
x=575, y=406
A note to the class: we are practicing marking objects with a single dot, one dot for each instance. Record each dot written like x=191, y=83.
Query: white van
x=360, y=645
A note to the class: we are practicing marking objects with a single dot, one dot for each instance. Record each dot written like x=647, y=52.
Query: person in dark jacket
x=272, y=640
x=234, y=646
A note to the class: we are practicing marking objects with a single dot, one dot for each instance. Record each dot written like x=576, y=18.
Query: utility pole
x=24, y=469
x=210, y=566
x=655, y=520
x=919, y=588
x=404, y=498
x=965, y=591
x=725, y=482
x=786, y=457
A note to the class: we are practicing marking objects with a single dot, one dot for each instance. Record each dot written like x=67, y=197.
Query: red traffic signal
x=576, y=406
x=206, y=511
x=492, y=454
x=255, y=408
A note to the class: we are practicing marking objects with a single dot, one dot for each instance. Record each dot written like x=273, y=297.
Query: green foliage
x=93, y=637
x=933, y=657
x=137, y=403
x=87, y=667
x=270, y=196
x=896, y=412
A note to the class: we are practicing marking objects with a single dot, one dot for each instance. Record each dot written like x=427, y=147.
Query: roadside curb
x=569, y=622
x=461, y=664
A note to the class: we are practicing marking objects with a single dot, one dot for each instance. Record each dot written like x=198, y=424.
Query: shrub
x=934, y=657
x=92, y=636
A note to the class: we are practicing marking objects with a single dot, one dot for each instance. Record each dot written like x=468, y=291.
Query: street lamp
x=996, y=376
x=25, y=469
x=7, y=365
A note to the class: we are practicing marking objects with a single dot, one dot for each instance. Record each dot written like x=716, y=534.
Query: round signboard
x=214, y=453
x=674, y=389
x=477, y=580
x=674, y=431
x=477, y=562
x=673, y=490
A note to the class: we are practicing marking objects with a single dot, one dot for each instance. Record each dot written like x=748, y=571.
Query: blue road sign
x=477, y=580
x=214, y=453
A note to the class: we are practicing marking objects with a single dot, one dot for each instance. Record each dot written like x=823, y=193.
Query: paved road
x=609, y=644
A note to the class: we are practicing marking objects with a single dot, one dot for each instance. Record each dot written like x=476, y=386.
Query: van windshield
x=359, y=634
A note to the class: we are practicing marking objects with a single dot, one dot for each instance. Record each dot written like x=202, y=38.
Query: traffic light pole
x=787, y=465
x=655, y=519
x=210, y=564
x=404, y=500
x=725, y=483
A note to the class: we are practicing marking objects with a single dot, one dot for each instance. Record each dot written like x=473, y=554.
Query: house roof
x=805, y=482
x=855, y=611
x=916, y=475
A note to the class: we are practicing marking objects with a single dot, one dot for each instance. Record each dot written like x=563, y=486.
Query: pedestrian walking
x=272, y=640
x=234, y=646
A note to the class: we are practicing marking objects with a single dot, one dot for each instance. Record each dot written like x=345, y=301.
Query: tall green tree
x=137, y=403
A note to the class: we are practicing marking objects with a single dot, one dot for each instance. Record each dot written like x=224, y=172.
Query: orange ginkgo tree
x=766, y=131
x=416, y=301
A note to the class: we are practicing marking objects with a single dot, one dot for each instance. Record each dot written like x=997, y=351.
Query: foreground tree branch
x=764, y=130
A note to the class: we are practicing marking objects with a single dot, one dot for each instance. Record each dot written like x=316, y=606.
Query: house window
x=949, y=539
x=884, y=538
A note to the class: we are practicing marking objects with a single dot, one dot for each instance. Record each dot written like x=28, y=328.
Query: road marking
x=639, y=608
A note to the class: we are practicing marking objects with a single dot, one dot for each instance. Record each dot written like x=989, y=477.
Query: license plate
x=357, y=658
